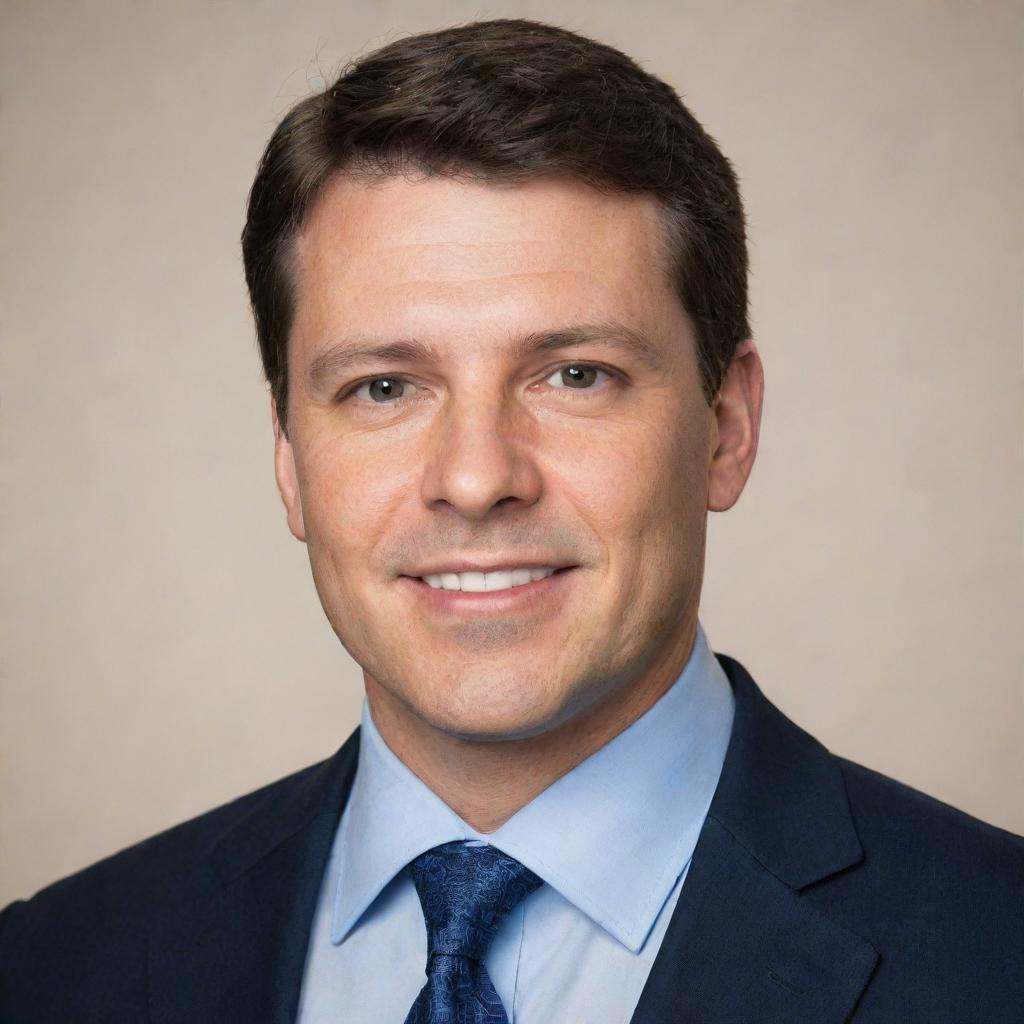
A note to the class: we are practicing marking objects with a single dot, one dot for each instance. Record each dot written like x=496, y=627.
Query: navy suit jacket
x=819, y=892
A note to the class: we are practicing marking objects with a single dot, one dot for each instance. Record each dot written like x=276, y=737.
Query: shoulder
x=916, y=844
x=159, y=867
x=888, y=811
x=938, y=894
x=92, y=924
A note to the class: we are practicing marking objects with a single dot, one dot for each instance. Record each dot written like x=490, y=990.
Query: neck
x=486, y=782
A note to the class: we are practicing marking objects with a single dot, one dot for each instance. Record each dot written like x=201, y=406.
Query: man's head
x=499, y=280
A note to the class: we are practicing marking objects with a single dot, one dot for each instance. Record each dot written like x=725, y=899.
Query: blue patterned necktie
x=466, y=893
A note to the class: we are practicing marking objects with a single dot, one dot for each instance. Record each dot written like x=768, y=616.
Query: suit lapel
x=236, y=951
x=742, y=944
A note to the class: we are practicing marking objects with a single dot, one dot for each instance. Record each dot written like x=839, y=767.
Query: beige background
x=162, y=647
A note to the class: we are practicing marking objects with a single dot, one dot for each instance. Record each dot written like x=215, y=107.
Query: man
x=499, y=281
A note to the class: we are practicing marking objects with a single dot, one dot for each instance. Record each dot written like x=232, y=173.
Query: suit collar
x=236, y=949
x=779, y=783
x=743, y=944
x=321, y=789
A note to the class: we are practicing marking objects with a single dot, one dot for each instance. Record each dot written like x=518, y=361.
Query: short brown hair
x=505, y=100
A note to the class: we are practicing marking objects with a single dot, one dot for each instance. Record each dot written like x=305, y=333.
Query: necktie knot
x=466, y=893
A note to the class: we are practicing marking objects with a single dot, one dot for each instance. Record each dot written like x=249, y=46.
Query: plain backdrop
x=163, y=649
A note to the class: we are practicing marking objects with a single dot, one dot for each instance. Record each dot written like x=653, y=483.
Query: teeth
x=478, y=582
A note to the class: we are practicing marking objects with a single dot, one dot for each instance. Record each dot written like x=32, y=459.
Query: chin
x=493, y=712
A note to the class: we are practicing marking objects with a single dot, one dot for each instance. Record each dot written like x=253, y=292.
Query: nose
x=480, y=459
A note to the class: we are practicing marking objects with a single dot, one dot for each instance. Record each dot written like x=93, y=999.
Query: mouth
x=502, y=590
x=489, y=582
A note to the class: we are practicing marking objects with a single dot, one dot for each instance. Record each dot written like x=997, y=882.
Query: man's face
x=494, y=378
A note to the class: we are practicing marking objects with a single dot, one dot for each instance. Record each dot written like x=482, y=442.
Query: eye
x=579, y=377
x=384, y=389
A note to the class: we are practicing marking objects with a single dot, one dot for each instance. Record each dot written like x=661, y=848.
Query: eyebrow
x=344, y=354
x=341, y=356
x=609, y=332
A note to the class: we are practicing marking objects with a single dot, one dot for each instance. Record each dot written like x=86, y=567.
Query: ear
x=287, y=478
x=737, y=423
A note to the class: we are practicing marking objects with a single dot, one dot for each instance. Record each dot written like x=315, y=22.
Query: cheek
x=347, y=500
x=636, y=487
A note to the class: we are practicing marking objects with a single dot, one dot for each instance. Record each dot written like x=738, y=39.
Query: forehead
x=412, y=254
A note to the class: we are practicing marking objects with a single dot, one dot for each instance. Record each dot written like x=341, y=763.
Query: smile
x=501, y=592
x=481, y=582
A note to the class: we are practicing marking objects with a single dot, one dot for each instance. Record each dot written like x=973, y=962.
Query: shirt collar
x=612, y=836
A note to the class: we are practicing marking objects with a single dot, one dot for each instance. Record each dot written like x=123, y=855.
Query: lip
x=523, y=598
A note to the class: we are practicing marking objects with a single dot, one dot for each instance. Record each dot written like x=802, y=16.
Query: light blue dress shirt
x=612, y=840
